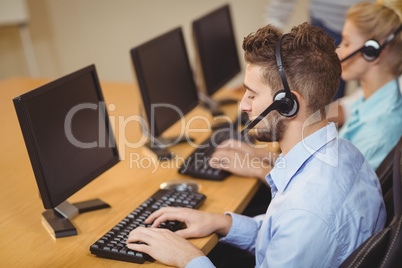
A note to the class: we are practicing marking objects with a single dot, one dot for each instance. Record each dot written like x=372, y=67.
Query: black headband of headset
x=276, y=105
x=281, y=71
x=391, y=36
x=389, y=39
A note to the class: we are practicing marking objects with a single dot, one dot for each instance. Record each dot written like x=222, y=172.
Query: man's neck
x=299, y=130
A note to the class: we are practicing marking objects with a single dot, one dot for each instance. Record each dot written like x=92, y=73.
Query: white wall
x=70, y=34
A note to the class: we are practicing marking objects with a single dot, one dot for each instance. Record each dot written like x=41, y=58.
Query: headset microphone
x=285, y=102
x=273, y=106
x=372, y=49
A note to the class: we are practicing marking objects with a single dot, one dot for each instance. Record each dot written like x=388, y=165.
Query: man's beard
x=271, y=129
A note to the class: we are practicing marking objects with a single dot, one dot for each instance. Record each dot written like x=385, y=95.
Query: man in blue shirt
x=374, y=122
x=326, y=199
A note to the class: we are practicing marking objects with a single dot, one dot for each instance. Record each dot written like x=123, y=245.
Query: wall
x=70, y=34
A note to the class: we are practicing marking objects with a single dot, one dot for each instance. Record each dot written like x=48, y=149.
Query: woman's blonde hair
x=377, y=21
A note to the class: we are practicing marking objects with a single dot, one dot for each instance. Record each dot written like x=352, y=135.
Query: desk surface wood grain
x=24, y=240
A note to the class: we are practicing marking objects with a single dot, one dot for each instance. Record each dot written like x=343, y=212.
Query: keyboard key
x=113, y=244
x=197, y=163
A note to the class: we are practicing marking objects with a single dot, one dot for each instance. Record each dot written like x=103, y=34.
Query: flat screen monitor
x=165, y=80
x=215, y=42
x=67, y=134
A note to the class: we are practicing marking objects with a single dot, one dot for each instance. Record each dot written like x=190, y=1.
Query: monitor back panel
x=67, y=134
x=216, y=46
x=165, y=79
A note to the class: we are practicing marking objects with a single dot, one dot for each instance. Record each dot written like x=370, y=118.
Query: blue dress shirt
x=375, y=125
x=326, y=201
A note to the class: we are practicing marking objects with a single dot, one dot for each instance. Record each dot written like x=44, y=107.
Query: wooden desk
x=25, y=242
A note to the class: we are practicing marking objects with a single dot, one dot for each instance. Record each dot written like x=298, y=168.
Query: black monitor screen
x=67, y=134
x=165, y=80
x=216, y=45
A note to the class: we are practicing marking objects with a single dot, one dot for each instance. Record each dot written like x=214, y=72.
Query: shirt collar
x=287, y=166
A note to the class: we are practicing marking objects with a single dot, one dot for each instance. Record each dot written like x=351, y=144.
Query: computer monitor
x=217, y=53
x=166, y=83
x=69, y=141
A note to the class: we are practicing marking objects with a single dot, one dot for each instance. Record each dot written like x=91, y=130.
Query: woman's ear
x=381, y=57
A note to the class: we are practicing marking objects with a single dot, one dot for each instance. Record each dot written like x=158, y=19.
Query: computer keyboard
x=197, y=163
x=112, y=245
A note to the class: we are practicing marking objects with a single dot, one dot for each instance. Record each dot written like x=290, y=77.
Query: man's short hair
x=311, y=64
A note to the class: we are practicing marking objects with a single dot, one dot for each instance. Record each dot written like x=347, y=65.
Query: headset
x=372, y=49
x=285, y=102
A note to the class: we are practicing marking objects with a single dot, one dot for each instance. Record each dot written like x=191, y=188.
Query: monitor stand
x=210, y=104
x=160, y=145
x=58, y=220
x=213, y=106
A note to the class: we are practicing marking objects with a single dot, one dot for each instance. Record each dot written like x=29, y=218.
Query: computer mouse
x=181, y=185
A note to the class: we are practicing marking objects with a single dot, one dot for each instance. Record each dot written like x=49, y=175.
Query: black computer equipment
x=217, y=53
x=112, y=244
x=197, y=163
x=68, y=137
x=167, y=85
x=219, y=63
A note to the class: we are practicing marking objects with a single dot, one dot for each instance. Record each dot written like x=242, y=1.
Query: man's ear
x=301, y=102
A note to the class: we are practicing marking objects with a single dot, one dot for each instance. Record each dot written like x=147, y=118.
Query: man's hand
x=172, y=248
x=199, y=223
x=242, y=159
x=163, y=245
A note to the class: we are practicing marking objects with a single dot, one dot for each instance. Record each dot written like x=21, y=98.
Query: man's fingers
x=139, y=247
x=165, y=214
x=139, y=234
x=185, y=233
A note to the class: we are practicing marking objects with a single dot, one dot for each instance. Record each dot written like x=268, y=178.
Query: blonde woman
x=371, y=54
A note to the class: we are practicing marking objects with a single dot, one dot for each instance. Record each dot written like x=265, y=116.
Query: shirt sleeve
x=243, y=232
x=200, y=262
x=301, y=239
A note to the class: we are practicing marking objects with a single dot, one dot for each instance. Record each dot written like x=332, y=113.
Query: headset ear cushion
x=371, y=50
x=279, y=95
x=287, y=107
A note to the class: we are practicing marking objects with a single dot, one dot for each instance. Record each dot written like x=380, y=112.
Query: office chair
x=384, y=173
x=384, y=248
